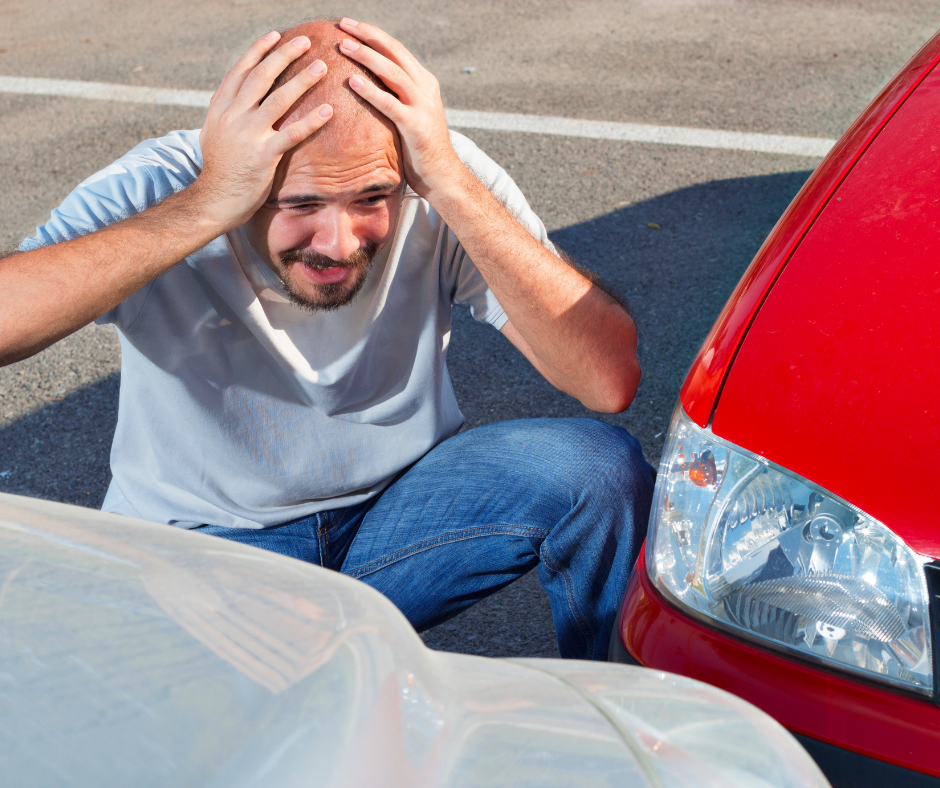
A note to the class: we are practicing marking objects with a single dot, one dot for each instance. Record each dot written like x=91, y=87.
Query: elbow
x=619, y=377
x=617, y=390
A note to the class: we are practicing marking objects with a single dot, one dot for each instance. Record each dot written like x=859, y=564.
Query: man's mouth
x=325, y=276
x=318, y=269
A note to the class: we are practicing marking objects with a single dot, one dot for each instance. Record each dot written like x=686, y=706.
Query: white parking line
x=105, y=91
x=460, y=118
x=637, y=132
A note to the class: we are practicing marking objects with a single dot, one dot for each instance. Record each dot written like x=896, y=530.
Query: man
x=282, y=287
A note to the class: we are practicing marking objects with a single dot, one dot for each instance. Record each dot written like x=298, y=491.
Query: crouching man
x=282, y=282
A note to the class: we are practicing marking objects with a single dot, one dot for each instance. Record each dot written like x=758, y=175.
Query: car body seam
x=628, y=739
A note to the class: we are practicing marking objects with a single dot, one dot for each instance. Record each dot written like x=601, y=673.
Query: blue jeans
x=571, y=496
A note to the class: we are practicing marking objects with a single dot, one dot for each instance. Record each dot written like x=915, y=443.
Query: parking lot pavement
x=794, y=68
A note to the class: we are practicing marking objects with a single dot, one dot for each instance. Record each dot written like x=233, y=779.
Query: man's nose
x=335, y=237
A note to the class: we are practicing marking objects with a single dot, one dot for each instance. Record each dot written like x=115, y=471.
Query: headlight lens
x=768, y=553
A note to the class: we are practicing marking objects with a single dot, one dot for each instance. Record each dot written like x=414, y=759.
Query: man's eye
x=376, y=199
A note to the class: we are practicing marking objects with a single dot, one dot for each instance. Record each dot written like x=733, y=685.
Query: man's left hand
x=579, y=338
x=417, y=112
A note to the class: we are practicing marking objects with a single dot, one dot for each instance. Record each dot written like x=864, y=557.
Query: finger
x=259, y=80
x=384, y=102
x=219, y=88
x=384, y=44
x=294, y=133
x=282, y=99
x=393, y=75
x=233, y=80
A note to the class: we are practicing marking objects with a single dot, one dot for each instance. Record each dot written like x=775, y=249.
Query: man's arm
x=46, y=294
x=575, y=334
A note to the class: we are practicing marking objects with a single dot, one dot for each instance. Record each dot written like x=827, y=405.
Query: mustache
x=358, y=259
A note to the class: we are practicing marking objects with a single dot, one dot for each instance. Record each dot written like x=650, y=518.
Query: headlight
x=769, y=554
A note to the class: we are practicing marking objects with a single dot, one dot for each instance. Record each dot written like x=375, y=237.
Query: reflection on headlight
x=765, y=552
x=843, y=604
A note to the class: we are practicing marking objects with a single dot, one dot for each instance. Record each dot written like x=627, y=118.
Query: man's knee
x=599, y=455
x=565, y=460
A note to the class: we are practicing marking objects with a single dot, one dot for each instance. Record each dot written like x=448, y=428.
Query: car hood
x=838, y=377
x=140, y=654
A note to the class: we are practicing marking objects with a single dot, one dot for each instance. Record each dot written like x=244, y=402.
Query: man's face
x=334, y=204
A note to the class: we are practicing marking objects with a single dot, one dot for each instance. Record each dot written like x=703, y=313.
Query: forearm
x=580, y=339
x=48, y=293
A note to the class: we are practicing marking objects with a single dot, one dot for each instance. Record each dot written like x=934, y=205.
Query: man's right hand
x=240, y=146
x=47, y=293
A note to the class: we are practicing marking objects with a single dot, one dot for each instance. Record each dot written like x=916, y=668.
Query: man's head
x=335, y=198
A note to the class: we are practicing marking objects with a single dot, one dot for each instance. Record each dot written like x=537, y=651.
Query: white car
x=136, y=654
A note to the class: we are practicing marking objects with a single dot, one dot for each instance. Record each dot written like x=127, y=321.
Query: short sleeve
x=466, y=283
x=145, y=176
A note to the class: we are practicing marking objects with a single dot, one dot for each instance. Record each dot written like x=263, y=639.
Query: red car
x=793, y=556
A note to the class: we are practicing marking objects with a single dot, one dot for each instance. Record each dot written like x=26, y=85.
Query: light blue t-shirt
x=238, y=408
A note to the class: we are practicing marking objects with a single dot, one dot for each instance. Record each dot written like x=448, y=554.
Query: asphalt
x=802, y=68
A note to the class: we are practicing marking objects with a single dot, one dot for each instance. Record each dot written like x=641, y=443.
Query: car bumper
x=859, y=733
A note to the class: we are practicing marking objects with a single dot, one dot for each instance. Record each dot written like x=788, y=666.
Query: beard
x=327, y=297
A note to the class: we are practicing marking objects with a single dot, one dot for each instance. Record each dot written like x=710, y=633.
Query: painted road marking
x=461, y=118
x=105, y=91
x=638, y=132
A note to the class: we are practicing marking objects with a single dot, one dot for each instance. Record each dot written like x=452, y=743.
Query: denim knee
x=601, y=456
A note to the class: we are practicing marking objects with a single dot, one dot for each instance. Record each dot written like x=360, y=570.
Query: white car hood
x=138, y=654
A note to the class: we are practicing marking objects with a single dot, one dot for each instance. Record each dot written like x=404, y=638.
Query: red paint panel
x=838, y=379
x=815, y=702
x=709, y=370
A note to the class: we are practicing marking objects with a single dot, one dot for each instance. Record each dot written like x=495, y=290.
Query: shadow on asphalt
x=676, y=280
x=61, y=451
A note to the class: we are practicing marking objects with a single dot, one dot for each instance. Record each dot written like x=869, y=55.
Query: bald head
x=336, y=197
x=350, y=112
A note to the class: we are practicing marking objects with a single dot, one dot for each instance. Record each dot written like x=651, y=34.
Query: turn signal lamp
x=770, y=556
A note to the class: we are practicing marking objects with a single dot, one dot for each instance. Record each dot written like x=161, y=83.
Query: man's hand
x=418, y=112
x=240, y=146
x=578, y=337
x=48, y=293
